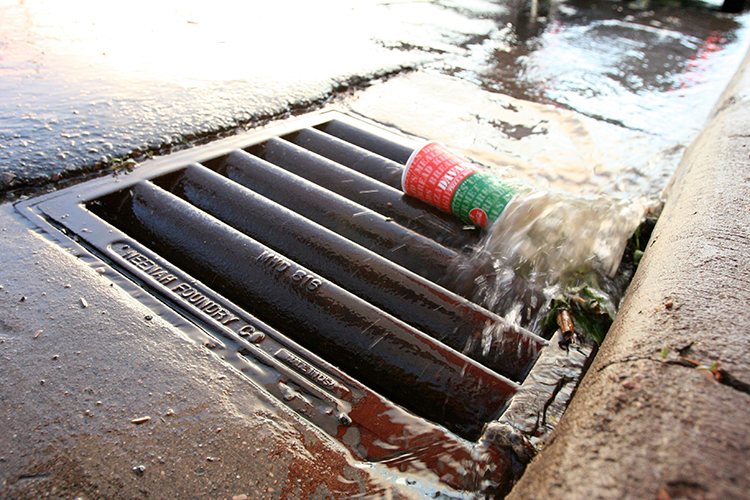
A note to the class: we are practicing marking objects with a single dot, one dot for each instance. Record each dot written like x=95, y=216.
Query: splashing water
x=546, y=244
x=552, y=234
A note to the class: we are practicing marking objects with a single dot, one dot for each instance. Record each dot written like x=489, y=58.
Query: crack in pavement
x=558, y=387
x=624, y=360
x=721, y=375
x=729, y=380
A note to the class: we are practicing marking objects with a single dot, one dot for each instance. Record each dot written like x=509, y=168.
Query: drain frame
x=288, y=371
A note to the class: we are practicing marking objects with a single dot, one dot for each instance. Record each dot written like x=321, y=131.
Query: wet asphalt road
x=85, y=86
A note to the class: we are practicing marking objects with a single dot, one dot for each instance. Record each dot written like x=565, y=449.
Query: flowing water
x=590, y=104
x=547, y=243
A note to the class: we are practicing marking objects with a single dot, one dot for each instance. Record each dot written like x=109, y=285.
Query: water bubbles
x=551, y=234
x=543, y=245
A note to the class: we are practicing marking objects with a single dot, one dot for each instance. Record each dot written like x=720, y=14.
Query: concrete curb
x=645, y=422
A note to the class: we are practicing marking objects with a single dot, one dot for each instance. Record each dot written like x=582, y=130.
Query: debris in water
x=567, y=328
x=711, y=372
x=140, y=420
x=455, y=185
x=565, y=323
x=637, y=256
x=506, y=435
x=36, y=335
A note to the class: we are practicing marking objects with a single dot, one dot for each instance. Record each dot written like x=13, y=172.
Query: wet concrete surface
x=591, y=99
x=84, y=86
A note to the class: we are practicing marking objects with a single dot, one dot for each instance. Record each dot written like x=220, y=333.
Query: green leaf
x=637, y=256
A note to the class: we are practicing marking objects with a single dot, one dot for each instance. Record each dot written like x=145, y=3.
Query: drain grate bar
x=377, y=144
x=366, y=227
x=381, y=169
x=371, y=426
x=435, y=311
x=406, y=211
x=396, y=360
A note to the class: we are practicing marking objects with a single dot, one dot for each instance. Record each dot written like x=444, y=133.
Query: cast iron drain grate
x=308, y=269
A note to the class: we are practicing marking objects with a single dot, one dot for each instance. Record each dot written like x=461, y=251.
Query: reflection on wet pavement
x=593, y=98
x=589, y=98
x=86, y=85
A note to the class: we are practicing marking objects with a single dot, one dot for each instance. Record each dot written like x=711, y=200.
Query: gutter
x=664, y=410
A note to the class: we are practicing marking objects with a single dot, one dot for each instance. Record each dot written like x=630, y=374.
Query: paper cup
x=450, y=182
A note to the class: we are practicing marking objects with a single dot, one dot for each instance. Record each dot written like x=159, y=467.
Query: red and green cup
x=455, y=185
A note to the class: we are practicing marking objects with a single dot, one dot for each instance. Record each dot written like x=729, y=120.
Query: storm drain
x=304, y=265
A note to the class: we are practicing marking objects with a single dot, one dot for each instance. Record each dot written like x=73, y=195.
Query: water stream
x=591, y=105
x=547, y=243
